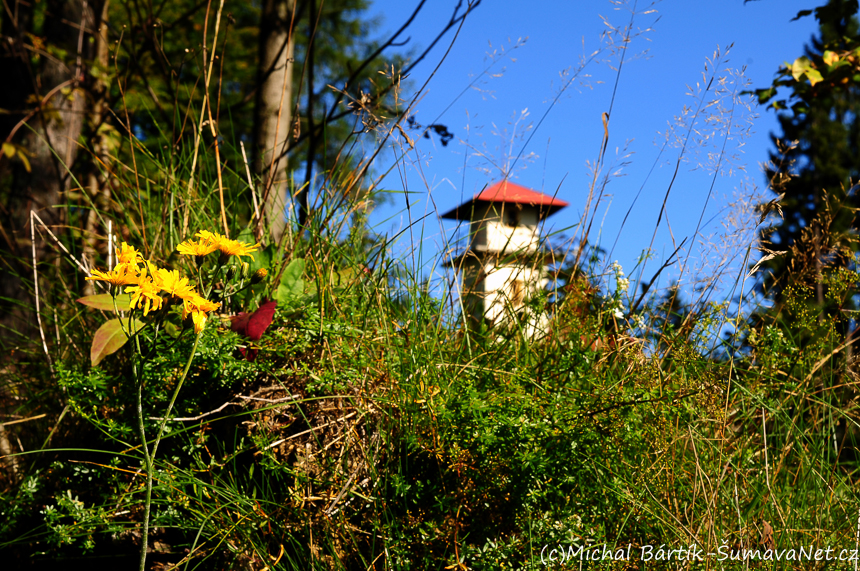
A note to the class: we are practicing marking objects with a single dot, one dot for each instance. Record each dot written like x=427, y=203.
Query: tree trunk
x=19, y=84
x=46, y=111
x=53, y=139
x=273, y=113
x=51, y=103
x=97, y=183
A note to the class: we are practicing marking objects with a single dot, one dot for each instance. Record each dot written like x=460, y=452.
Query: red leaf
x=249, y=354
x=260, y=320
x=253, y=325
x=110, y=337
x=240, y=323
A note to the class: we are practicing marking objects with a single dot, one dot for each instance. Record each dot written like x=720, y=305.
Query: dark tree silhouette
x=814, y=162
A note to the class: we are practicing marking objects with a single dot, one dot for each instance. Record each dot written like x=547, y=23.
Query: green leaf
x=344, y=277
x=171, y=329
x=104, y=301
x=110, y=337
x=765, y=95
x=292, y=285
x=800, y=108
x=262, y=259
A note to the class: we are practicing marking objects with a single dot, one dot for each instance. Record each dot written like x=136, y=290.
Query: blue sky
x=503, y=74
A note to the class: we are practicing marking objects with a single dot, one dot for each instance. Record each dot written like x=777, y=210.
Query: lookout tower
x=503, y=262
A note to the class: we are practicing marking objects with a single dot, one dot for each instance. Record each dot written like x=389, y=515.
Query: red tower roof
x=507, y=192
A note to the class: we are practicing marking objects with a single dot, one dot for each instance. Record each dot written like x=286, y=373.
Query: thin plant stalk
x=149, y=458
x=147, y=461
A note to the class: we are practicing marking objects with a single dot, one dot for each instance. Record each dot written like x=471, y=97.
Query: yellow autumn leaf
x=9, y=150
x=814, y=76
x=798, y=68
x=830, y=57
x=24, y=159
x=803, y=67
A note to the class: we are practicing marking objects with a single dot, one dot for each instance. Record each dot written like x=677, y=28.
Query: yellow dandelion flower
x=145, y=295
x=210, y=236
x=197, y=302
x=122, y=274
x=197, y=307
x=236, y=248
x=198, y=318
x=126, y=254
x=171, y=282
x=227, y=246
x=211, y=241
x=196, y=247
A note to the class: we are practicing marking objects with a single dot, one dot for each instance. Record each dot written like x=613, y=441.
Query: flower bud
x=259, y=275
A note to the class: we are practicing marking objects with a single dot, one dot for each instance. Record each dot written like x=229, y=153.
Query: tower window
x=512, y=216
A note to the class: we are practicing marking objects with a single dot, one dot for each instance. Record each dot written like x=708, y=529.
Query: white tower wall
x=503, y=266
x=505, y=228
